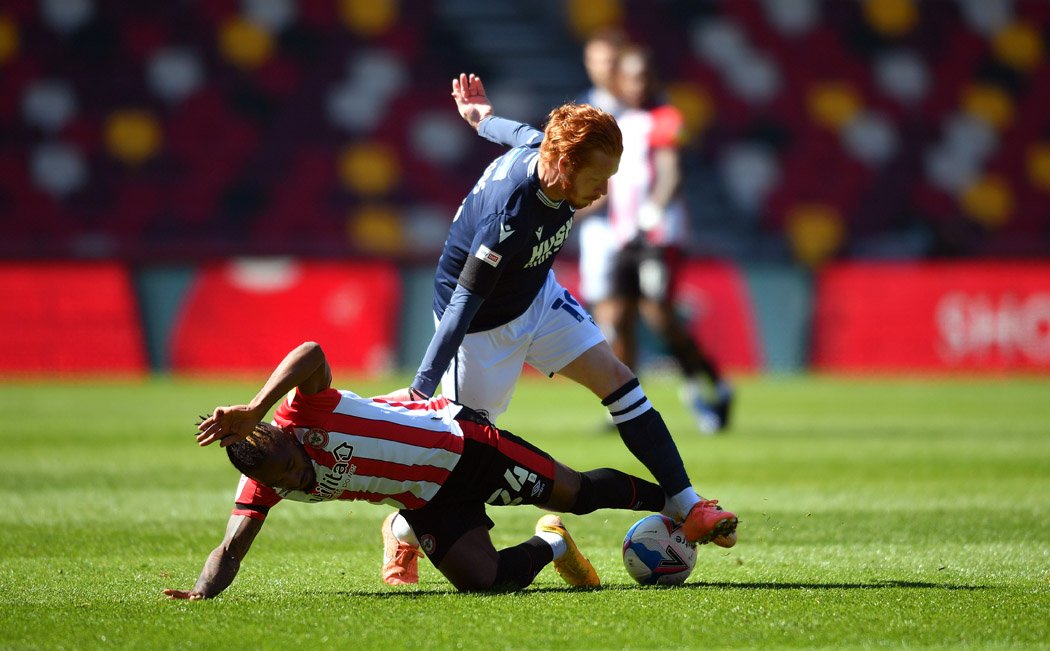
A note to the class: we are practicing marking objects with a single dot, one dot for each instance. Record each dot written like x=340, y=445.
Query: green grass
x=889, y=512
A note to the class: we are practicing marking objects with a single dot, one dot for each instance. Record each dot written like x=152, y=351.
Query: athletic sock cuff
x=630, y=405
x=621, y=392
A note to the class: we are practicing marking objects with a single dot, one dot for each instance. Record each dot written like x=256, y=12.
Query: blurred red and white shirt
x=645, y=131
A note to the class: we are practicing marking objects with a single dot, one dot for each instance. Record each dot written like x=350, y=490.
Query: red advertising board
x=992, y=316
x=245, y=315
x=713, y=296
x=69, y=317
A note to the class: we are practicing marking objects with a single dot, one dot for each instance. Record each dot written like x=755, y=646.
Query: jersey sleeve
x=254, y=499
x=508, y=132
x=668, y=128
x=499, y=238
x=459, y=312
x=306, y=410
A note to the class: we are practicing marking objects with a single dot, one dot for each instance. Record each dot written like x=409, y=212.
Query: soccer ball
x=655, y=551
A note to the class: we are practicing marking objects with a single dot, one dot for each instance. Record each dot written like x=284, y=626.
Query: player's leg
x=482, y=375
x=645, y=434
x=597, y=257
x=456, y=539
x=581, y=493
x=657, y=274
x=400, y=551
x=624, y=294
x=709, y=406
x=486, y=368
x=568, y=342
x=504, y=470
x=473, y=564
x=624, y=341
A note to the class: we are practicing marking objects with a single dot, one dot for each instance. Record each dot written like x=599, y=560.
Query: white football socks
x=678, y=505
x=557, y=543
x=403, y=531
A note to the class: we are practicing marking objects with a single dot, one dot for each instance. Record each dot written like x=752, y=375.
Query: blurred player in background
x=597, y=247
x=437, y=461
x=649, y=223
x=499, y=306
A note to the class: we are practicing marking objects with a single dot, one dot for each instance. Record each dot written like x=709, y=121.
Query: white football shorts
x=553, y=332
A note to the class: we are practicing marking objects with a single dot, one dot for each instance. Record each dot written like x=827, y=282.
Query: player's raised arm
x=476, y=109
x=471, y=100
x=224, y=561
x=305, y=367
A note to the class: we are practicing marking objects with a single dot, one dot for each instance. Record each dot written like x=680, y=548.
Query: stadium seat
x=160, y=129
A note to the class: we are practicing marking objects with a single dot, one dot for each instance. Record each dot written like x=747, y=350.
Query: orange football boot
x=400, y=560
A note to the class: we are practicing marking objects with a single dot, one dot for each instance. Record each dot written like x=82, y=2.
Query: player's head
x=584, y=145
x=634, y=80
x=599, y=55
x=272, y=457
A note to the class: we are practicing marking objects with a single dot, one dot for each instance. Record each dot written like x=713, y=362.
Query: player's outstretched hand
x=469, y=93
x=227, y=425
x=188, y=595
x=408, y=394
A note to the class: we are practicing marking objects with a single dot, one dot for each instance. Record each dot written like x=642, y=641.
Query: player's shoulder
x=667, y=113
x=299, y=407
x=326, y=396
x=515, y=179
x=668, y=125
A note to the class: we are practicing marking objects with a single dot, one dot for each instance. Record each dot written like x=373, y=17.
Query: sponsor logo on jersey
x=539, y=233
x=548, y=247
x=332, y=481
x=488, y=255
x=505, y=231
x=317, y=438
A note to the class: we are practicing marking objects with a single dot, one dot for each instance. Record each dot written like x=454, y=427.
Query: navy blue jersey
x=506, y=232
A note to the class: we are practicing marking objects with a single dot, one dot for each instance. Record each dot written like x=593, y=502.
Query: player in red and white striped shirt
x=649, y=222
x=438, y=462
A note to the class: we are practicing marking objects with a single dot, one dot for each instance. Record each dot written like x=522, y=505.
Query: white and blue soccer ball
x=655, y=551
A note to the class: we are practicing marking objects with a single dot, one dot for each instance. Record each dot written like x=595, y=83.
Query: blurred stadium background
x=195, y=186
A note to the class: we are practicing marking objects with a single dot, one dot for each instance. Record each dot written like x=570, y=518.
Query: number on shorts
x=516, y=478
x=569, y=304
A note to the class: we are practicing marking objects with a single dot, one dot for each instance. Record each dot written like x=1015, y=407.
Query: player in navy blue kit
x=499, y=306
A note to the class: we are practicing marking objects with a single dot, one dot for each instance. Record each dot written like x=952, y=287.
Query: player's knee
x=471, y=562
x=477, y=579
x=619, y=373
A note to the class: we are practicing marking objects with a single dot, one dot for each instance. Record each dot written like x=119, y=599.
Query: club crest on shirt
x=488, y=255
x=427, y=543
x=317, y=438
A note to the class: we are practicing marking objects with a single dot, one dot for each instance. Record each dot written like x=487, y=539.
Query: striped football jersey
x=366, y=449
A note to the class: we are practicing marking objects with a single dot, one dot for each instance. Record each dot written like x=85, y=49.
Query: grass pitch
x=885, y=512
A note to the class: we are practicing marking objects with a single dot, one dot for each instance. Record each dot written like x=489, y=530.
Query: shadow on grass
x=413, y=593
x=873, y=585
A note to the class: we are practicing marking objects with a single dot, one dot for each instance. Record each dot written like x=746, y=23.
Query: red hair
x=575, y=131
